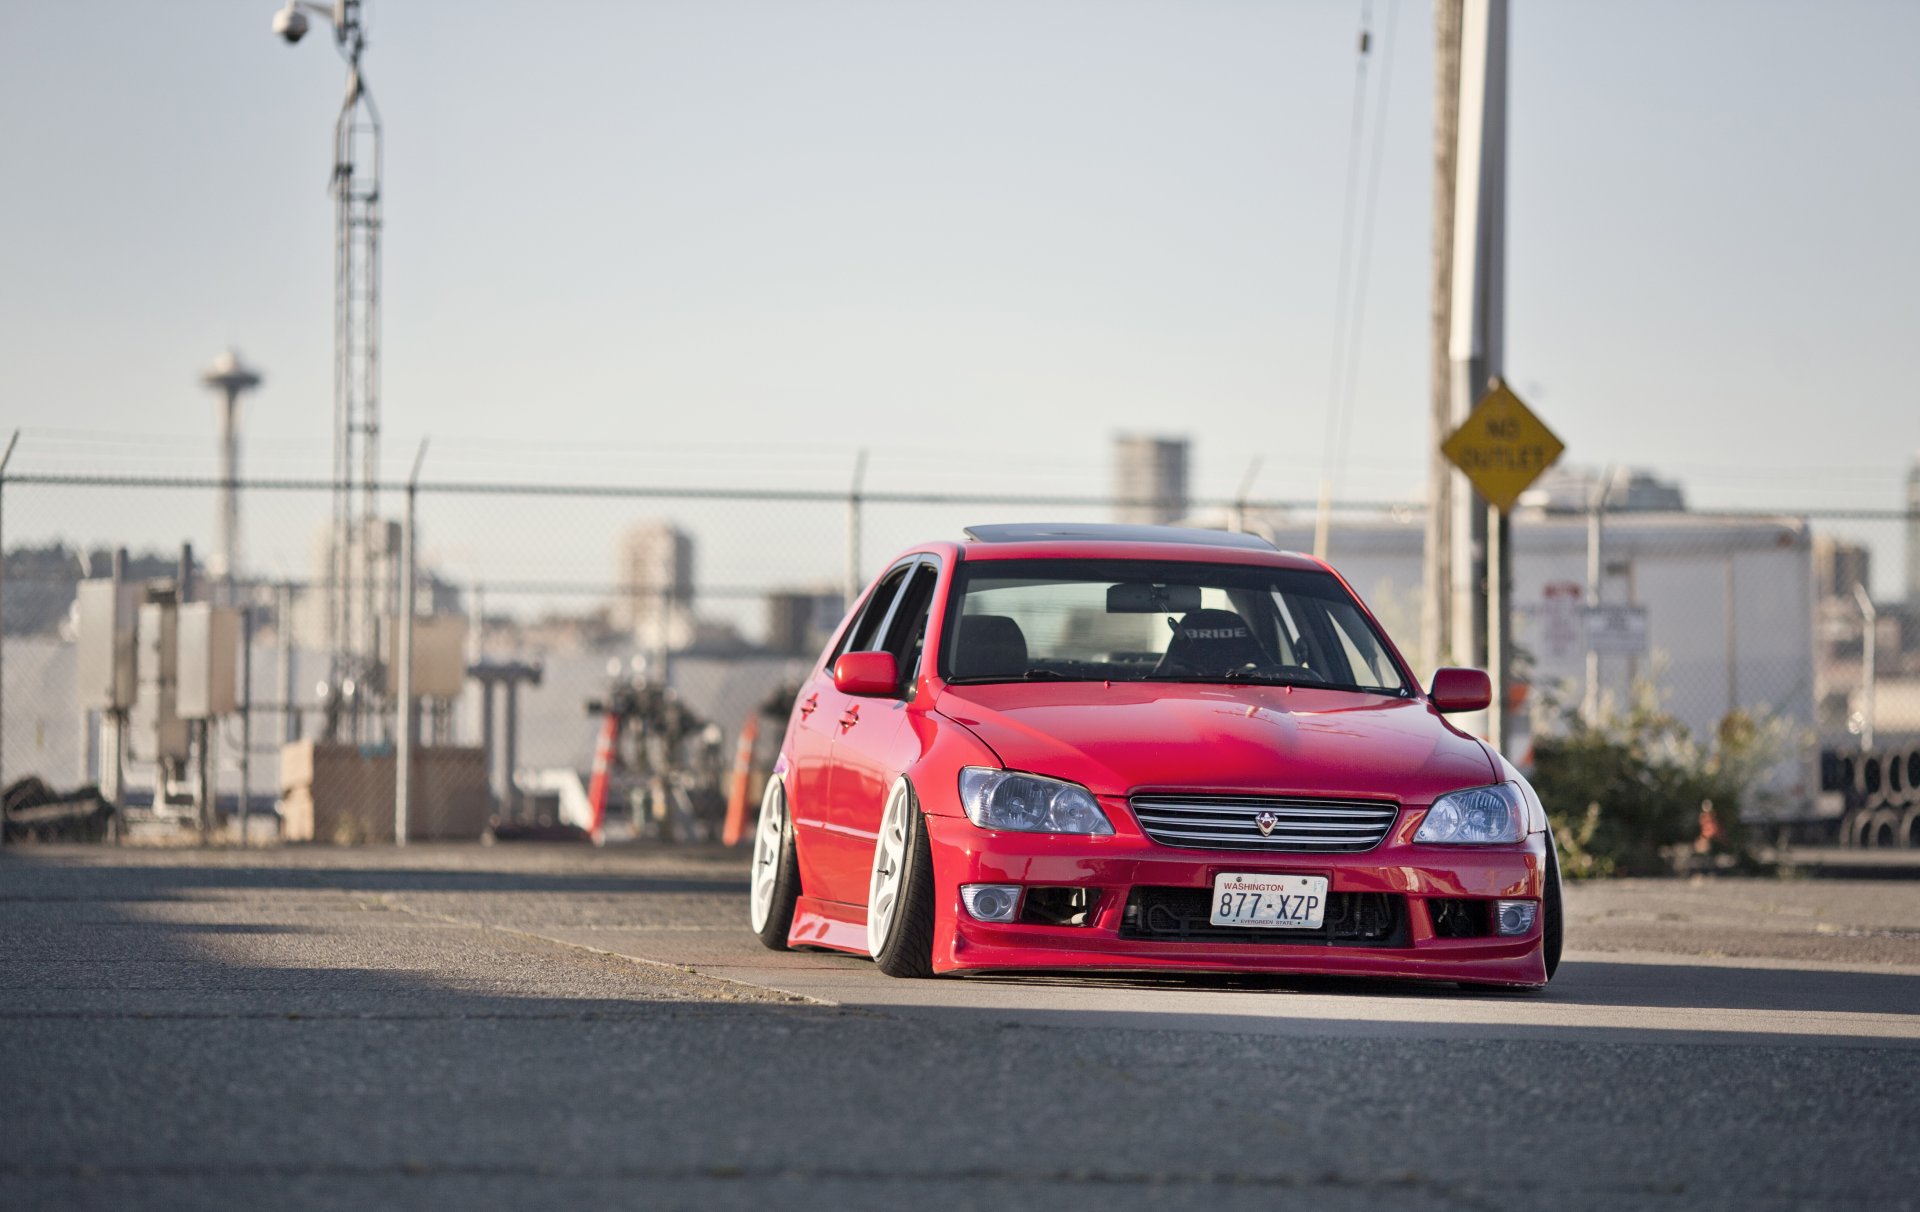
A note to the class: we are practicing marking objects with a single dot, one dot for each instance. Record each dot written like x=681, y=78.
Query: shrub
x=1624, y=789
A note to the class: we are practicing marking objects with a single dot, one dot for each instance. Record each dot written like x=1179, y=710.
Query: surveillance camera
x=290, y=23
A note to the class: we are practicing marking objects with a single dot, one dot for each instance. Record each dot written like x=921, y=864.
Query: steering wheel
x=1295, y=671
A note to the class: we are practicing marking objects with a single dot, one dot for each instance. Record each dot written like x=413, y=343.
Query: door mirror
x=1461, y=690
x=870, y=673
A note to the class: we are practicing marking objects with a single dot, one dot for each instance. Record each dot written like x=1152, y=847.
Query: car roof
x=1112, y=532
x=1096, y=540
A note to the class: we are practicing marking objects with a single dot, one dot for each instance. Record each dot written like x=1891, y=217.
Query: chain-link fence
x=546, y=611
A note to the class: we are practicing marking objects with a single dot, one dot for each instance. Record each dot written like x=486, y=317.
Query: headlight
x=1001, y=799
x=1481, y=816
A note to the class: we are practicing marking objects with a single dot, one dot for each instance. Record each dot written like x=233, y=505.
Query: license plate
x=1276, y=902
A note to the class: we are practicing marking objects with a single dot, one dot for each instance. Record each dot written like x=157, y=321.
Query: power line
x=1356, y=329
x=1349, y=211
x=1350, y=290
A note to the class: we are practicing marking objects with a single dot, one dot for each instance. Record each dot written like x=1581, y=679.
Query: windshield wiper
x=1031, y=675
x=1270, y=679
x=1255, y=677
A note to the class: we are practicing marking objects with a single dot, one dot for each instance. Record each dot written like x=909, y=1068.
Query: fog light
x=1516, y=917
x=991, y=902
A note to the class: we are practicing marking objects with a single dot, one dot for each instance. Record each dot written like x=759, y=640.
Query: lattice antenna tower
x=357, y=599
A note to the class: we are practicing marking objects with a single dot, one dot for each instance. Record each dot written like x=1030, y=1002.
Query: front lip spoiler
x=1489, y=960
x=1115, y=865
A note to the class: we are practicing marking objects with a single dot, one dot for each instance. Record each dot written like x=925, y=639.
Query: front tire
x=900, y=893
x=1553, y=918
x=776, y=869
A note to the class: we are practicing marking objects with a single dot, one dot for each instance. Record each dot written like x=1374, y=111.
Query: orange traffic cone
x=1709, y=828
x=602, y=774
x=736, y=827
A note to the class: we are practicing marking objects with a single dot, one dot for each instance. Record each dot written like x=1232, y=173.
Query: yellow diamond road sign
x=1502, y=447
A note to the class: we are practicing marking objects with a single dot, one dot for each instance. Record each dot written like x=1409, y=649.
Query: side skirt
x=820, y=923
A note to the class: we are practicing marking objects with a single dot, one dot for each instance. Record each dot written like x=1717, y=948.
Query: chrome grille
x=1231, y=822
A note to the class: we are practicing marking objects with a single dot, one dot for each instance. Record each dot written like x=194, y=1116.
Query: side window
x=1326, y=643
x=1371, y=666
x=860, y=636
x=1296, y=643
x=908, y=629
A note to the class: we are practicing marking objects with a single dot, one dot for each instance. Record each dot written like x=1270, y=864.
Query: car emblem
x=1266, y=821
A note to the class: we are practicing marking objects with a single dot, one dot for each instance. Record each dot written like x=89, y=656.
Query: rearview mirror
x=1461, y=690
x=1134, y=597
x=866, y=673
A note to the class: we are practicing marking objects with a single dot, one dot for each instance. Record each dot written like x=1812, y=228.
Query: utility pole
x=199, y=731
x=290, y=710
x=1477, y=320
x=4, y=460
x=1436, y=587
x=1596, y=571
x=114, y=723
x=853, y=582
x=246, y=714
x=408, y=721
x=1869, y=641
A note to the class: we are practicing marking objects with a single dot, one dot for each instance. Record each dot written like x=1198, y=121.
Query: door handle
x=809, y=706
x=851, y=718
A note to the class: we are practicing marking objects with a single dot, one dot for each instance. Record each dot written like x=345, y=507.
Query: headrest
x=1214, y=642
x=990, y=646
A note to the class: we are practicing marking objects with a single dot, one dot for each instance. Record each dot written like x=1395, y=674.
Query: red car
x=1127, y=747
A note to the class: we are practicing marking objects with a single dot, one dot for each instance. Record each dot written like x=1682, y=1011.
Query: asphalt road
x=550, y=1027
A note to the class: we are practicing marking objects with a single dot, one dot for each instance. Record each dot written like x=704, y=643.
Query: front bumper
x=1113, y=866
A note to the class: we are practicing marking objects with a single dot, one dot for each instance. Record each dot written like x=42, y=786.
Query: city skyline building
x=799, y=621
x=654, y=599
x=1632, y=490
x=1150, y=477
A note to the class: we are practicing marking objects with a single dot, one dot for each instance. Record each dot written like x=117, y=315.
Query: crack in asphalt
x=1469, y=1193
x=655, y=1012
x=761, y=993
x=737, y=1173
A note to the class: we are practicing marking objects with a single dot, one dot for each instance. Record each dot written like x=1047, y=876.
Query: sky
x=732, y=242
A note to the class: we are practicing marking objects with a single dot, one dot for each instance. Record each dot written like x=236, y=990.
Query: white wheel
x=775, y=875
x=889, y=868
x=900, y=895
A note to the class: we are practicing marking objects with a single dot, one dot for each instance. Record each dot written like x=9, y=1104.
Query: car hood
x=1133, y=736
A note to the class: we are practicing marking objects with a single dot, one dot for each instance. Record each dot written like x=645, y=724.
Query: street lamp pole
x=1869, y=636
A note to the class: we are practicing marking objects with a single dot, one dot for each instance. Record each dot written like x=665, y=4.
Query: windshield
x=1139, y=620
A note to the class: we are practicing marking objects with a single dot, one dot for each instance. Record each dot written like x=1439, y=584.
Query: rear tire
x=776, y=869
x=900, y=893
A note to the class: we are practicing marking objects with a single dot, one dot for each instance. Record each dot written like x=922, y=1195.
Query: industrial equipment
x=659, y=770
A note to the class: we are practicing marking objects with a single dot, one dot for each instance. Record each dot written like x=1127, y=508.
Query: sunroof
x=1112, y=532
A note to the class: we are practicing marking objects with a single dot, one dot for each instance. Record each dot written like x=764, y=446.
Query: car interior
x=1037, y=629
